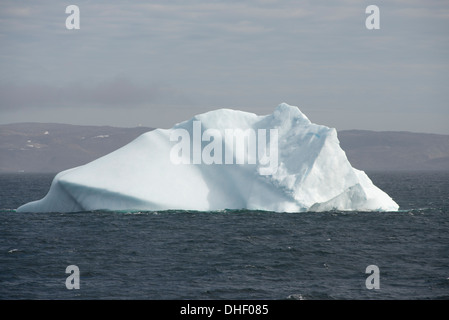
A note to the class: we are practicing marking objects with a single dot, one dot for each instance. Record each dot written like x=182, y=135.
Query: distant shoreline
x=53, y=147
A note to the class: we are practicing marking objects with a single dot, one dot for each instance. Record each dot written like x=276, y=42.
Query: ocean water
x=229, y=254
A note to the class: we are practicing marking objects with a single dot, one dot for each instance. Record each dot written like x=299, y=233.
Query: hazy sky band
x=159, y=62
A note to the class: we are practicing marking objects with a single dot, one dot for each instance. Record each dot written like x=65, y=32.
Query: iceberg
x=222, y=159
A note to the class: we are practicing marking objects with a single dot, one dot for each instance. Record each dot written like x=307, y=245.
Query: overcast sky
x=156, y=63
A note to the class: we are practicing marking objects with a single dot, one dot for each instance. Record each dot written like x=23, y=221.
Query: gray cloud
x=117, y=93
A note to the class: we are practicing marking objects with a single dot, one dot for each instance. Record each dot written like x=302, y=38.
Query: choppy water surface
x=229, y=254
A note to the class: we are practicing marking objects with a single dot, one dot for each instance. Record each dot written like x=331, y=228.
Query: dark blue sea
x=229, y=254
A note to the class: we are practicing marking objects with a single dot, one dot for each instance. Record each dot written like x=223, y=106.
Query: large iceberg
x=222, y=159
